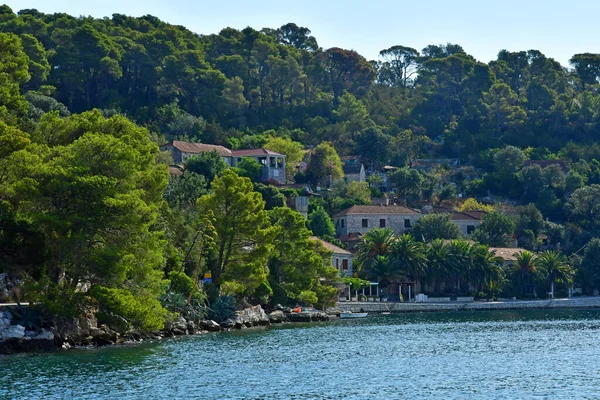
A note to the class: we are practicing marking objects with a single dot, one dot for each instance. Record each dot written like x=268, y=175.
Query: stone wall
x=379, y=307
x=354, y=223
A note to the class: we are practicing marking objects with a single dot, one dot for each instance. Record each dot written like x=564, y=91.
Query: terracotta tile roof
x=468, y=216
x=197, y=148
x=255, y=152
x=377, y=210
x=331, y=247
x=506, y=253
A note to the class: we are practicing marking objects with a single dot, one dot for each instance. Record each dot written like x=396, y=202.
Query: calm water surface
x=482, y=355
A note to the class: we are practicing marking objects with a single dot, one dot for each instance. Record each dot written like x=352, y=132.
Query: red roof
x=255, y=152
x=377, y=210
x=197, y=148
x=468, y=216
x=331, y=247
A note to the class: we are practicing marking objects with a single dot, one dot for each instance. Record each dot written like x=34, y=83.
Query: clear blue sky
x=558, y=29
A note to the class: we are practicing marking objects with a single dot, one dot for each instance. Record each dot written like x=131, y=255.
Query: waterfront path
x=379, y=307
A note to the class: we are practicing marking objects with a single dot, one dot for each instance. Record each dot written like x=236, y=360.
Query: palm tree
x=382, y=271
x=376, y=242
x=440, y=264
x=409, y=257
x=459, y=262
x=524, y=271
x=555, y=267
x=485, y=268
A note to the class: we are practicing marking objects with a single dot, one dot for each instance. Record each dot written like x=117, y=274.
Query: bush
x=56, y=300
x=222, y=309
x=194, y=310
x=144, y=313
x=307, y=297
x=181, y=283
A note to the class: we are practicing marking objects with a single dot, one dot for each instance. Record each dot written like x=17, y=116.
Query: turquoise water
x=482, y=355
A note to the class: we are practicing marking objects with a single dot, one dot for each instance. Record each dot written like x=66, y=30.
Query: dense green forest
x=87, y=202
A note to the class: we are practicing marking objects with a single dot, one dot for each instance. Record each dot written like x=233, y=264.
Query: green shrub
x=181, y=283
x=144, y=313
x=223, y=308
x=195, y=309
x=56, y=300
x=307, y=297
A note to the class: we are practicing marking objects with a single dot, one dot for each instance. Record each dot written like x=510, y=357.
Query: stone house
x=273, y=163
x=467, y=221
x=340, y=260
x=361, y=219
x=181, y=151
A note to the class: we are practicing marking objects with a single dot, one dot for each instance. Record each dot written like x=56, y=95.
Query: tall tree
x=243, y=234
x=556, y=268
x=346, y=70
x=400, y=65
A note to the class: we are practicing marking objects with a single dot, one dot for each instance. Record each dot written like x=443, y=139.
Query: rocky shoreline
x=85, y=331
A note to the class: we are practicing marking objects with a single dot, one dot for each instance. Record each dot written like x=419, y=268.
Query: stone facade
x=340, y=260
x=467, y=221
x=361, y=219
x=273, y=164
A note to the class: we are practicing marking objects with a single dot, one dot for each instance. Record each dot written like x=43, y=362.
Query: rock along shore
x=85, y=331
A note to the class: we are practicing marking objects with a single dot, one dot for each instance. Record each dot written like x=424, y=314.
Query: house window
x=407, y=223
x=342, y=222
x=470, y=229
x=272, y=162
x=345, y=265
x=382, y=223
x=337, y=263
x=365, y=223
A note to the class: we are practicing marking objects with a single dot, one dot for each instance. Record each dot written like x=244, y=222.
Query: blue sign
x=207, y=280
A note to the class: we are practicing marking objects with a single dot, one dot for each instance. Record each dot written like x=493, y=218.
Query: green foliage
x=222, y=309
x=583, y=209
x=324, y=164
x=297, y=263
x=183, y=284
x=436, y=226
x=320, y=223
x=143, y=313
x=272, y=196
x=249, y=168
x=307, y=298
x=293, y=152
x=495, y=230
x=208, y=164
x=192, y=310
x=243, y=234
